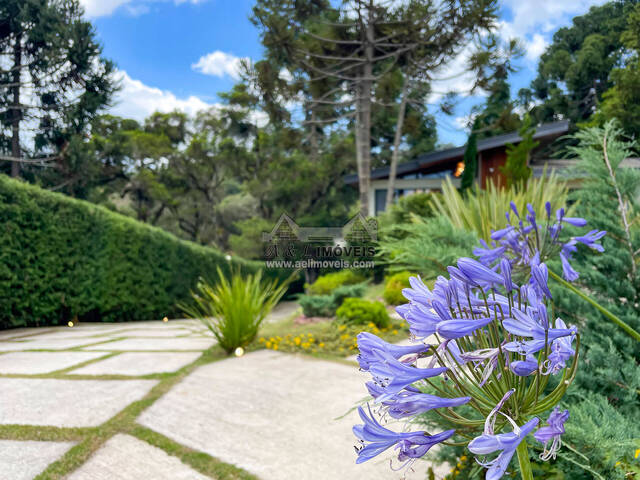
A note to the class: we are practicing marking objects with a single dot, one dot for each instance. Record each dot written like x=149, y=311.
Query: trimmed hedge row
x=61, y=257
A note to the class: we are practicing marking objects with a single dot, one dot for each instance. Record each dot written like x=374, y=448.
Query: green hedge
x=61, y=258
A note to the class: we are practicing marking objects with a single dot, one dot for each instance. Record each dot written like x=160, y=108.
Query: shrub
x=326, y=284
x=356, y=311
x=317, y=305
x=326, y=305
x=393, y=288
x=63, y=257
x=234, y=309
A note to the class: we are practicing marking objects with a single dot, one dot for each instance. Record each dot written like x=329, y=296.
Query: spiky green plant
x=233, y=309
x=480, y=211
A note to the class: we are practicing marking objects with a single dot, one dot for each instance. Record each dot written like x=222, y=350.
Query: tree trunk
x=16, y=112
x=313, y=137
x=391, y=186
x=363, y=118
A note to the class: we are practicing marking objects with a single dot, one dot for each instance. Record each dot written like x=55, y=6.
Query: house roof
x=432, y=159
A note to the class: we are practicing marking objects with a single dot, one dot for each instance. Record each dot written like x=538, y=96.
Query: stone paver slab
x=138, y=363
x=274, y=415
x=191, y=343
x=23, y=460
x=66, y=403
x=151, y=333
x=33, y=343
x=124, y=457
x=33, y=363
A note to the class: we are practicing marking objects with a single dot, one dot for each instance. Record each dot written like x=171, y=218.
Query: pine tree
x=516, y=169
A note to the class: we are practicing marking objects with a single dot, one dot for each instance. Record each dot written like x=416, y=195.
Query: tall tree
x=575, y=70
x=54, y=79
x=358, y=44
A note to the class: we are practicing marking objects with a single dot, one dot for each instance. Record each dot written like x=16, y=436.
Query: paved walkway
x=273, y=415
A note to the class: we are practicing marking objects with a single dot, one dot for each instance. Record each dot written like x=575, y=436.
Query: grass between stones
x=90, y=439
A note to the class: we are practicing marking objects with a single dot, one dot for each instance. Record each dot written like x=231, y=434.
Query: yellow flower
x=321, y=345
x=297, y=340
x=637, y=453
x=617, y=464
x=306, y=345
x=268, y=344
x=261, y=340
x=275, y=347
x=342, y=327
x=395, y=332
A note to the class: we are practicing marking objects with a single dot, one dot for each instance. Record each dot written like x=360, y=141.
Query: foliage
x=480, y=211
x=401, y=211
x=393, y=288
x=63, y=257
x=425, y=246
x=622, y=100
x=516, y=169
x=326, y=305
x=326, y=284
x=330, y=337
x=575, y=70
x=317, y=305
x=470, y=160
x=357, y=311
x=233, y=309
x=248, y=242
x=606, y=396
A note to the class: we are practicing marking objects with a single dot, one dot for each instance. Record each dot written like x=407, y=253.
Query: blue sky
x=181, y=53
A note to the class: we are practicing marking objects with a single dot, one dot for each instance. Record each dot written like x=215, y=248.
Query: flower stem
x=523, y=461
x=634, y=334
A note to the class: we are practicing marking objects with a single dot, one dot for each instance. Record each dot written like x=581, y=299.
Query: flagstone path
x=275, y=416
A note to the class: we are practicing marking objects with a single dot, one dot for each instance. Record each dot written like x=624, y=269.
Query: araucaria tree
x=53, y=80
x=354, y=47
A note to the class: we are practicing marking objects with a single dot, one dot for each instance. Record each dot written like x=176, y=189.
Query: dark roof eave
x=433, y=158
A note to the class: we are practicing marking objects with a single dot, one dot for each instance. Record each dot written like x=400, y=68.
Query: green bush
x=356, y=311
x=234, y=309
x=393, y=288
x=326, y=305
x=317, y=305
x=326, y=284
x=63, y=257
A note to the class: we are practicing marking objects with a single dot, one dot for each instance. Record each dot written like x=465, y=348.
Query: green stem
x=599, y=307
x=523, y=461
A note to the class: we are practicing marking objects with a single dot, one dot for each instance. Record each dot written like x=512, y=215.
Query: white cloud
x=453, y=77
x=137, y=100
x=535, y=21
x=219, y=64
x=546, y=15
x=100, y=8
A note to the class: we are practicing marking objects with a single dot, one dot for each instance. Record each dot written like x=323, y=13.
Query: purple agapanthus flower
x=523, y=325
x=524, y=368
x=414, y=403
x=375, y=439
x=451, y=329
x=368, y=343
x=394, y=375
x=550, y=434
x=529, y=242
x=505, y=443
x=560, y=352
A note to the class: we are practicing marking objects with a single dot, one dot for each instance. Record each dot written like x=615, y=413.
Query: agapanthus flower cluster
x=483, y=355
x=528, y=240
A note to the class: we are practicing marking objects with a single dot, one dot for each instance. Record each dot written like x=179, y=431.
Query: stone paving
x=23, y=460
x=272, y=414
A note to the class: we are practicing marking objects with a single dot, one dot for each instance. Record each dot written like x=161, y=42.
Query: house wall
x=490, y=165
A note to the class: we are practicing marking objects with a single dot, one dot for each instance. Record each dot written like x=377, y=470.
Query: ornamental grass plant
x=233, y=308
